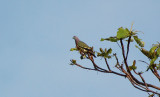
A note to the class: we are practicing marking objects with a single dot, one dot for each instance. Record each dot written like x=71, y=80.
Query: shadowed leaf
x=139, y=42
x=112, y=39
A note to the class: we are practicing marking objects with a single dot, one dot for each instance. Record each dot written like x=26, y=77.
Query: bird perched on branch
x=83, y=47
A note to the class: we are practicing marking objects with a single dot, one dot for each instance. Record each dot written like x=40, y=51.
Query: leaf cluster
x=124, y=33
x=127, y=70
x=105, y=53
x=133, y=67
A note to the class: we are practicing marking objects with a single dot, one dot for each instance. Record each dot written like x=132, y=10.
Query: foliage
x=128, y=71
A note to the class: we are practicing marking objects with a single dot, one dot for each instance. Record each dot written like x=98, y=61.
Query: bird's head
x=75, y=37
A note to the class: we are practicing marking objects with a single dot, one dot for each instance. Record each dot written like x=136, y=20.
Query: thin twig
x=119, y=45
x=129, y=40
x=123, y=53
x=107, y=64
x=141, y=78
x=156, y=73
x=126, y=64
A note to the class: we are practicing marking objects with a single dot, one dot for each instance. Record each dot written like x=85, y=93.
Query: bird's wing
x=83, y=45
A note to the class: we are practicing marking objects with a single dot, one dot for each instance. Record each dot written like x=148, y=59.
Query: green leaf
x=151, y=66
x=74, y=61
x=133, y=33
x=109, y=57
x=147, y=53
x=101, y=50
x=134, y=62
x=139, y=42
x=130, y=40
x=153, y=60
x=130, y=68
x=133, y=67
x=152, y=50
x=104, y=53
x=137, y=47
x=112, y=39
x=72, y=49
x=123, y=33
x=109, y=51
x=102, y=39
x=98, y=54
x=105, y=50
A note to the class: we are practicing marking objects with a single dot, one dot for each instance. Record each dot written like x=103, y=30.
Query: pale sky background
x=36, y=36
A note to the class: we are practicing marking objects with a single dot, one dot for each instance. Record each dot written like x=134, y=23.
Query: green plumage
x=83, y=47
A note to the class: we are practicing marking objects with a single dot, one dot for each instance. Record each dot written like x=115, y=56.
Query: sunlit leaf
x=72, y=49
x=152, y=50
x=123, y=33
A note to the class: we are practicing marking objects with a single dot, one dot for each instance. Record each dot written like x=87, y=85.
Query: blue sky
x=36, y=36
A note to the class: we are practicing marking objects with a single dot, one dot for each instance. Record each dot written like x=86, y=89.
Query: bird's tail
x=92, y=53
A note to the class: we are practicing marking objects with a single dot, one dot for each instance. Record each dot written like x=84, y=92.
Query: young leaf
x=112, y=39
x=102, y=39
x=137, y=47
x=130, y=40
x=109, y=51
x=74, y=61
x=152, y=50
x=134, y=62
x=72, y=49
x=139, y=42
x=133, y=67
x=147, y=53
x=101, y=50
x=123, y=33
x=130, y=68
x=153, y=60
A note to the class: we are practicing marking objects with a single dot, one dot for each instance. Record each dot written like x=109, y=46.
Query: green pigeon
x=83, y=47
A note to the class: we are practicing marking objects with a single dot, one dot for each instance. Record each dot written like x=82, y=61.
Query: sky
x=36, y=37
